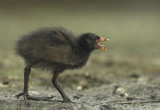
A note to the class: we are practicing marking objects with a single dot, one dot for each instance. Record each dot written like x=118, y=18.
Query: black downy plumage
x=55, y=49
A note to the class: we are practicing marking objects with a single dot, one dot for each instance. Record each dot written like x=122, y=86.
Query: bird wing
x=58, y=54
x=50, y=44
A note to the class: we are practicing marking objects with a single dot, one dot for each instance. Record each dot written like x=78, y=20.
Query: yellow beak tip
x=108, y=40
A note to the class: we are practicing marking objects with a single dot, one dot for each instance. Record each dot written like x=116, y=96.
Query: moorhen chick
x=55, y=49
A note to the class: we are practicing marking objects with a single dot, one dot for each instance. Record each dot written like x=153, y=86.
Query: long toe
x=40, y=98
x=20, y=94
x=25, y=96
x=26, y=100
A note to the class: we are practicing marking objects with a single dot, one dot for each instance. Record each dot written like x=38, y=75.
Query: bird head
x=90, y=41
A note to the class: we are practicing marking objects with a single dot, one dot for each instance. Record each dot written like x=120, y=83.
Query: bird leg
x=25, y=94
x=58, y=87
x=25, y=90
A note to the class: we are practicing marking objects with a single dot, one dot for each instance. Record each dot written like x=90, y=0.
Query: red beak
x=102, y=39
x=102, y=46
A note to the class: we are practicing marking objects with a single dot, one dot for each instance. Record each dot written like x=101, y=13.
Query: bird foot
x=67, y=100
x=27, y=96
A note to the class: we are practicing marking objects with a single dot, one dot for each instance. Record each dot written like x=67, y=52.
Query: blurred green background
x=133, y=27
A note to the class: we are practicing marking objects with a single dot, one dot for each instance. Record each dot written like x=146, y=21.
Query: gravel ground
x=122, y=96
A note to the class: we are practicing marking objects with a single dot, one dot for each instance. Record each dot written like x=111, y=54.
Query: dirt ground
x=127, y=95
x=104, y=84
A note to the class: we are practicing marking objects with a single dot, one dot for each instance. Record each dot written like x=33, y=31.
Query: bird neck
x=79, y=56
x=82, y=46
